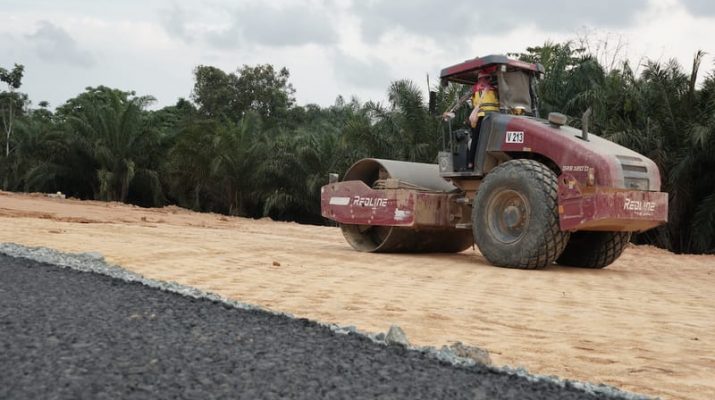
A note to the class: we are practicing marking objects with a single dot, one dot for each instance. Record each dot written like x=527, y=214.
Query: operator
x=484, y=100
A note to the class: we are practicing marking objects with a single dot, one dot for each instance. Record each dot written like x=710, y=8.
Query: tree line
x=240, y=145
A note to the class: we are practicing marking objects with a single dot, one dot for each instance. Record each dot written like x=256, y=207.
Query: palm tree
x=241, y=151
x=401, y=130
x=415, y=131
x=187, y=170
x=301, y=167
x=696, y=165
x=113, y=132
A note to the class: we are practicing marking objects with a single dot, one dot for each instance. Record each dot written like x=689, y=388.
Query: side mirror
x=432, y=102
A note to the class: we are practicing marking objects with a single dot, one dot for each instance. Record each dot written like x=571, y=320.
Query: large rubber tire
x=515, y=219
x=594, y=249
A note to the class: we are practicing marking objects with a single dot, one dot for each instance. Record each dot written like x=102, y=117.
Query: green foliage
x=214, y=92
x=265, y=91
x=13, y=77
x=97, y=145
x=11, y=106
x=243, y=147
x=260, y=89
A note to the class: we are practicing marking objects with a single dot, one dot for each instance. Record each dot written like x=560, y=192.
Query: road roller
x=537, y=192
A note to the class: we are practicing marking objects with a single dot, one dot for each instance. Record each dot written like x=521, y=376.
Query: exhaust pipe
x=584, y=124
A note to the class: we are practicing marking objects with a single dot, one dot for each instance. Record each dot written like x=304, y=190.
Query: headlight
x=636, y=183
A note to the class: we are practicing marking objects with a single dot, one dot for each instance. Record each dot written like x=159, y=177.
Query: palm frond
x=703, y=225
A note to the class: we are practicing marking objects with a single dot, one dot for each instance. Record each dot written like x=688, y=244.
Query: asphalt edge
x=94, y=262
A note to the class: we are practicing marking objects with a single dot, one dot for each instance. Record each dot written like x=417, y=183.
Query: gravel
x=65, y=333
x=396, y=336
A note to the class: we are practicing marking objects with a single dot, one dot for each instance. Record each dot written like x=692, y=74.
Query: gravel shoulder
x=69, y=334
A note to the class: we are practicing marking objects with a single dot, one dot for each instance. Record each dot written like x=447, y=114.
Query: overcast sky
x=331, y=48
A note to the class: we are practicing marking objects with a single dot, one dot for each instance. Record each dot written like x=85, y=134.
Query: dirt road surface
x=645, y=324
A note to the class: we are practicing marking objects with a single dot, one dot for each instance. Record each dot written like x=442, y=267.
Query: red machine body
x=601, y=185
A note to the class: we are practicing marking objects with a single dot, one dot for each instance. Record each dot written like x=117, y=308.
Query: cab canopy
x=515, y=79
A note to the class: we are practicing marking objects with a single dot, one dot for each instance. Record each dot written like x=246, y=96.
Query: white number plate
x=515, y=136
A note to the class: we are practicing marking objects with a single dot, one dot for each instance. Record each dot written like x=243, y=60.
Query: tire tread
x=555, y=238
x=594, y=249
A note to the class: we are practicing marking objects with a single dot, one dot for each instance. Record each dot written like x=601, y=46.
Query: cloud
x=174, y=21
x=699, y=8
x=286, y=27
x=372, y=73
x=259, y=24
x=460, y=18
x=54, y=44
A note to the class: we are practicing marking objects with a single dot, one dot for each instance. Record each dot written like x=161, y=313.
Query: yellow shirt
x=486, y=100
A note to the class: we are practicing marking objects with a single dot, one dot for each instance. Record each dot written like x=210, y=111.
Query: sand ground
x=645, y=324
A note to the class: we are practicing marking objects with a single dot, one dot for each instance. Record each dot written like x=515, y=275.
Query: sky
x=331, y=48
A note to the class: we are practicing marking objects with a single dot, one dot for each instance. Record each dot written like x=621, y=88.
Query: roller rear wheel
x=594, y=249
x=515, y=219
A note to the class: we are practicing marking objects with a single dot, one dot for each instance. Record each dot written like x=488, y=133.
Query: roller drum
x=393, y=239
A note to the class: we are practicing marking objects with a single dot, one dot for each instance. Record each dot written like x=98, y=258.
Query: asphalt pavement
x=66, y=334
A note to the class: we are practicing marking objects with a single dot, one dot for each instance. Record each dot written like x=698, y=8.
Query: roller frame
x=429, y=216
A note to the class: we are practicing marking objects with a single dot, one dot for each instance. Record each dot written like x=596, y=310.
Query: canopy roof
x=467, y=72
